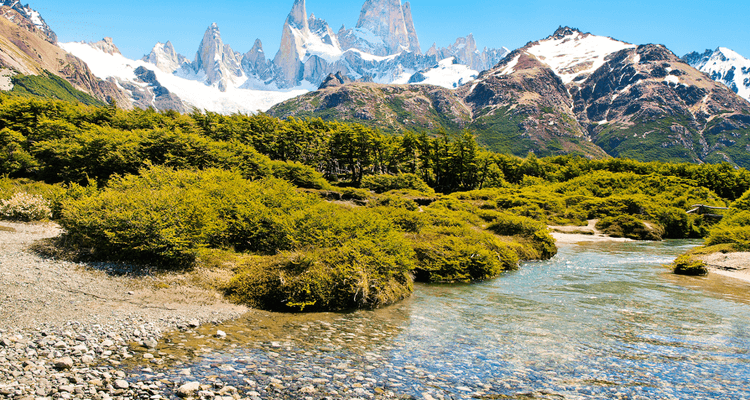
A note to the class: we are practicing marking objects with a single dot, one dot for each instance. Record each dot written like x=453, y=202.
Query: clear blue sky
x=136, y=25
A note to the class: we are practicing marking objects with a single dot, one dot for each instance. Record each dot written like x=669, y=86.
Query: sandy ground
x=578, y=234
x=42, y=291
x=733, y=265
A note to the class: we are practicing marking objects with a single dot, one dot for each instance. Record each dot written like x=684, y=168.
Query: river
x=599, y=321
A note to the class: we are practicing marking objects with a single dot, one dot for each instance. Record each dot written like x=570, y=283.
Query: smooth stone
x=63, y=363
x=188, y=389
x=121, y=384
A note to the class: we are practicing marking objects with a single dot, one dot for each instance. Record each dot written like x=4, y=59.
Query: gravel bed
x=67, y=330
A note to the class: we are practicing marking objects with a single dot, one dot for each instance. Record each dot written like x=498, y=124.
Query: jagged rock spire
x=298, y=16
x=218, y=60
x=392, y=22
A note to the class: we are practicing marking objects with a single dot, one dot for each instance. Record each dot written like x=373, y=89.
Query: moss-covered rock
x=685, y=265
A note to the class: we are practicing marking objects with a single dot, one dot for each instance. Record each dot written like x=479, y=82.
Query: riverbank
x=733, y=265
x=578, y=234
x=59, y=319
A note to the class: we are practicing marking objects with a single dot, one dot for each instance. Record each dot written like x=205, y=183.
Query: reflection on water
x=600, y=320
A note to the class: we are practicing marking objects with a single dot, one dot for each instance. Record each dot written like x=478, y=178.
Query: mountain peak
x=106, y=45
x=564, y=31
x=218, y=60
x=27, y=18
x=298, y=16
x=392, y=22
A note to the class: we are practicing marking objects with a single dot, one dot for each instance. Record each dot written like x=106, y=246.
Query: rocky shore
x=67, y=330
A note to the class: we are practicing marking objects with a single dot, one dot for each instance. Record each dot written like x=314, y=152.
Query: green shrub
x=535, y=233
x=743, y=203
x=25, y=207
x=684, y=265
x=361, y=273
x=463, y=255
x=739, y=236
x=404, y=219
x=390, y=200
x=385, y=183
x=628, y=226
x=299, y=175
x=14, y=159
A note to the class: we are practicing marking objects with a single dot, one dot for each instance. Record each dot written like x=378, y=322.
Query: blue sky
x=136, y=25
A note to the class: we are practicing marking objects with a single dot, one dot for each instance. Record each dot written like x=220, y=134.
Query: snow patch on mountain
x=573, y=54
x=726, y=66
x=447, y=74
x=194, y=93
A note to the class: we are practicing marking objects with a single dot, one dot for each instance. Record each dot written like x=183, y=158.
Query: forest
x=311, y=215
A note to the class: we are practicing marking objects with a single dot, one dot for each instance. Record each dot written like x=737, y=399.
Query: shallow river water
x=599, y=321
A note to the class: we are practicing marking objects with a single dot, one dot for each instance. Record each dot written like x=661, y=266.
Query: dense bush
x=25, y=207
x=461, y=255
x=361, y=273
x=385, y=183
x=299, y=175
x=163, y=215
x=536, y=233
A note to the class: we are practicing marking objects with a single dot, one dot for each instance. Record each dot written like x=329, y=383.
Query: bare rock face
x=107, y=45
x=217, y=60
x=725, y=66
x=334, y=80
x=255, y=64
x=645, y=103
x=410, y=30
x=288, y=60
x=27, y=18
x=164, y=56
x=386, y=20
x=465, y=51
x=155, y=95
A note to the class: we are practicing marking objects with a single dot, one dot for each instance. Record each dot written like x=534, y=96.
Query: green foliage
x=299, y=175
x=685, y=265
x=385, y=183
x=49, y=86
x=535, y=232
x=360, y=273
x=743, y=203
x=461, y=255
x=628, y=226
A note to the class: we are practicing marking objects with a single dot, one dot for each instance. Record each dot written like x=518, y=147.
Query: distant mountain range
x=383, y=47
x=571, y=92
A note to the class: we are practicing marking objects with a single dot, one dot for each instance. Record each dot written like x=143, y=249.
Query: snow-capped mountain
x=150, y=86
x=25, y=15
x=574, y=55
x=725, y=66
x=382, y=48
x=445, y=74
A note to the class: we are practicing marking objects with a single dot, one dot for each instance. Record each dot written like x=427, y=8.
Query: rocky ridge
x=25, y=16
x=578, y=93
x=725, y=66
x=27, y=49
x=383, y=47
